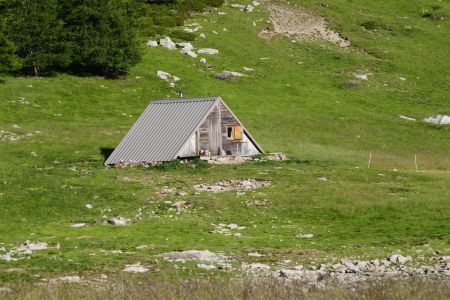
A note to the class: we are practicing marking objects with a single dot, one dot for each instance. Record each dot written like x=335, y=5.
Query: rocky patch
x=200, y=255
x=296, y=21
x=438, y=120
x=232, y=185
x=135, y=268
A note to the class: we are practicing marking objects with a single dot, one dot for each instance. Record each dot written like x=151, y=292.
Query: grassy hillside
x=294, y=101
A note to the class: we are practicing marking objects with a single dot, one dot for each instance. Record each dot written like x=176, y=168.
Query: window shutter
x=238, y=135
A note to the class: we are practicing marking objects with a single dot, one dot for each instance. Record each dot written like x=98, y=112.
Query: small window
x=234, y=133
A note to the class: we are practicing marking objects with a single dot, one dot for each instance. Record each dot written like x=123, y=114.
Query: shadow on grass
x=106, y=152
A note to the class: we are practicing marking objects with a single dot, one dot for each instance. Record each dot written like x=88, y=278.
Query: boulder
x=438, y=120
x=152, y=44
x=167, y=43
x=186, y=46
x=119, y=221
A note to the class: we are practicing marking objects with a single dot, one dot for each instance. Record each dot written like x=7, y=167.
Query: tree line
x=79, y=36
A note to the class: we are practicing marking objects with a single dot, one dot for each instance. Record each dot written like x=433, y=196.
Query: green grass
x=299, y=109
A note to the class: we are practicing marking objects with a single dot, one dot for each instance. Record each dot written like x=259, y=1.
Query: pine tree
x=8, y=59
x=34, y=28
x=102, y=34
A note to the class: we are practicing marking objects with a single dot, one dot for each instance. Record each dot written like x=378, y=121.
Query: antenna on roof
x=180, y=94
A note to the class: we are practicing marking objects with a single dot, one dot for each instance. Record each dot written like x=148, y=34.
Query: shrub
x=436, y=14
x=192, y=5
x=168, y=21
x=170, y=165
x=182, y=35
x=213, y=3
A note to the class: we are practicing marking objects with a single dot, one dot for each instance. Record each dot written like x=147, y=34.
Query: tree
x=8, y=59
x=34, y=28
x=102, y=34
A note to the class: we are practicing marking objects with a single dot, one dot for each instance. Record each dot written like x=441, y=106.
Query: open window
x=234, y=133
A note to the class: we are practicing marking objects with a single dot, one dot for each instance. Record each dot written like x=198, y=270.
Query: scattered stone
x=203, y=60
x=179, y=205
x=186, y=46
x=275, y=156
x=399, y=259
x=35, y=246
x=402, y=78
x=323, y=179
x=152, y=44
x=255, y=254
x=119, y=221
x=255, y=266
x=305, y=236
x=361, y=76
x=189, y=53
x=78, y=225
x=248, y=69
x=206, y=267
x=232, y=184
x=406, y=118
x=7, y=257
x=89, y=206
x=229, y=75
x=163, y=75
x=202, y=35
x=201, y=255
x=438, y=120
x=167, y=43
x=135, y=268
x=68, y=279
x=209, y=51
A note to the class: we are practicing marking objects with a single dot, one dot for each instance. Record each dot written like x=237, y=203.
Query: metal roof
x=162, y=130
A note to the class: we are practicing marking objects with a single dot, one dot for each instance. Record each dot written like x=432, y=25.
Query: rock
x=167, y=43
x=119, y=221
x=206, y=267
x=152, y=44
x=305, y=236
x=201, y=255
x=402, y=78
x=189, y=53
x=181, y=193
x=255, y=266
x=339, y=268
x=7, y=257
x=238, y=6
x=406, y=118
x=438, y=120
x=209, y=51
x=232, y=184
x=361, y=76
x=232, y=226
x=247, y=69
x=202, y=35
x=255, y=254
x=78, y=225
x=229, y=75
x=89, y=206
x=323, y=179
x=289, y=273
x=399, y=259
x=248, y=8
x=36, y=246
x=203, y=60
x=68, y=279
x=135, y=268
x=179, y=204
x=186, y=46
x=163, y=75
x=275, y=156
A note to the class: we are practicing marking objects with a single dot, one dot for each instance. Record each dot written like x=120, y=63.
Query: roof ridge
x=181, y=100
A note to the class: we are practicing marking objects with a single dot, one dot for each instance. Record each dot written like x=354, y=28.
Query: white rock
x=136, y=268
x=238, y=6
x=406, y=118
x=438, y=120
x=69, y=279
x=186, y=46
x=255, y=3
x=248, y=8
x=119, y=221
x=206, y=267
x=209, y=51
x=201, y=255
x=78, y=225
x=7, y=257
x=255, y=266
x=167, y=43
x=36, y=246
x=399, y=259
x=203, y=60
x=248, y=69
x=202, y=35
x=89, y=206
x=163, y=75
x=176, y=78
x=189, y=52
x=255, y=254
x=402, y=78
x=361, y=76
x=152, y=44
x=305, y=236
x=232, y=226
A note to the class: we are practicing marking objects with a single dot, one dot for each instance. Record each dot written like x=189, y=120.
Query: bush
x=170, y=165
x=192, y=5
x=168, y=21
x=182, y=35
x=213, y=3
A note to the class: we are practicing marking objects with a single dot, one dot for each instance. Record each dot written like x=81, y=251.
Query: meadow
x=295, y=101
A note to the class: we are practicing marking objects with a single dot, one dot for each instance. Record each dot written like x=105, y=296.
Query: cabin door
x=214, y=135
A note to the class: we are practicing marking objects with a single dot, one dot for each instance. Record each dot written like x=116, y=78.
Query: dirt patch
x=297, y=21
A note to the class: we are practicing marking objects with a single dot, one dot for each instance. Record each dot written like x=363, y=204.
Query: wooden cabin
x=184, y=128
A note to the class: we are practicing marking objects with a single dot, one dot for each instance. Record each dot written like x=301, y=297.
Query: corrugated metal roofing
x=162, y=130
